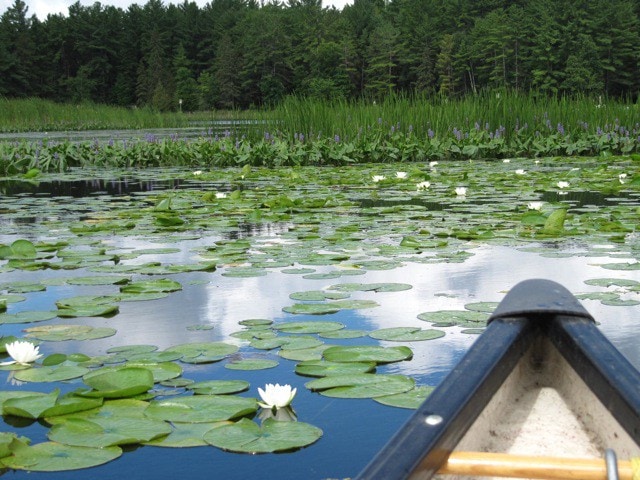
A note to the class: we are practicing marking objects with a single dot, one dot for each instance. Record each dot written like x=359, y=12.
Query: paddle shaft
x=484, y=464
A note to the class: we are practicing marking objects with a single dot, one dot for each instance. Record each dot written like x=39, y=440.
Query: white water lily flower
x=535, y=205
x=461, y=191
x=433, y=164
x=197, y=172
x=520, y=171
x=401, y=175
x=276, y=396
x=563, y=184
x=506, y=160
x=23, y=353
x=378, y=178
x=622, y=177
x=423, y=185
x=221, y=195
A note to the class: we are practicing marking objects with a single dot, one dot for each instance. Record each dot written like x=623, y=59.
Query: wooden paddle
x=482, y=464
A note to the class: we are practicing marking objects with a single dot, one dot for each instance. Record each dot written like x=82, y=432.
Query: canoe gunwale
x=419, y=448
x=603, y=368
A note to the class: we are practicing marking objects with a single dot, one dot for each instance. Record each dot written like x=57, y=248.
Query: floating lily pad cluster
x=117, y=406
x=328, y=225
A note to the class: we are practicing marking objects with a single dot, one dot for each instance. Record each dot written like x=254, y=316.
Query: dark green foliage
x=238, y=54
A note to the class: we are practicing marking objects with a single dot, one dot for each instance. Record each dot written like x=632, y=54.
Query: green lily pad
x=20, y=249
x=203, y=352
x=323, y=368
x=11, y=298
x=472, y=331
x=54, y=373
x=132, y=349
x=101, y=432
x=484, y=307
x=162, y=285
x=59, y=333
x=464, y=318
x=119, y=408
x=299, y=342
x=160, y=370
x=612, y=282
x=141, y=297
x=268, y=343
x=218, y=387
x=308, y=327
x=27, y=316
x=155, y=358
x=371, y=353
x=24, y=287
x=55, y=457
x=619, y=302
x=302, y=354
x=201, y=408
x=185, y=435
x=371, y=287
x=251, y=364
x=554, y=224
x=317, y=296
x=344, y=333
x=10, y=442
x=199, y=327
x=411, y=399
x=255, y=322
x=322, y=276
x=118, y=383
x=406, y=334
x=86, y=307
x=273, y=436
x=244, y=272
x=8, y=394
x=99, y=280
x=312, y=308
x=41, y=406
x=298, y=271
x=621, y=266
x=361, y=385
x=355, y=304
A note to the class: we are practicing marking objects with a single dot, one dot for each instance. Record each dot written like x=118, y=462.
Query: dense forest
x=246, y=54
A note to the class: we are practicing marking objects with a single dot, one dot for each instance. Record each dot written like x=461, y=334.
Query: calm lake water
x=196, y=130
x=353, y=429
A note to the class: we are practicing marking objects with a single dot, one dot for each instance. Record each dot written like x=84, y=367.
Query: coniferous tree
x=543, y=53
x=492, y=51
x=17, y=51
x=382, y=61
x=445, y=66
x=186, y=87
x=226, y=76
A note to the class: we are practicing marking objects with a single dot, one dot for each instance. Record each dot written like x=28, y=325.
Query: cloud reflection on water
x=208, y=298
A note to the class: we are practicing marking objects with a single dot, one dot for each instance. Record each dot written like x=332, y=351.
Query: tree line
x=249, y=54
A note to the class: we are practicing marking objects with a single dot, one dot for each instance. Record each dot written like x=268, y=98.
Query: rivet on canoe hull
x=433, y=420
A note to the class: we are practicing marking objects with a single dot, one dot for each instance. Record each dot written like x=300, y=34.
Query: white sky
x=41, y=8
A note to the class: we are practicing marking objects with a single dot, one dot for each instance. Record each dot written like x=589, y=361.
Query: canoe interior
x=544, y=408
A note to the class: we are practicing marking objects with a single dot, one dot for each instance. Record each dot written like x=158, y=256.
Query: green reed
x=505, y=111
x=34, y=114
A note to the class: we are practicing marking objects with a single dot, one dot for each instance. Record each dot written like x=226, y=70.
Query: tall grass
x=34, y=114
x=504, y=111
x=349, y=120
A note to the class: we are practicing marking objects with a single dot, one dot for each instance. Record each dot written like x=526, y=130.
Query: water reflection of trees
x=246, y=229
x=90, y=187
